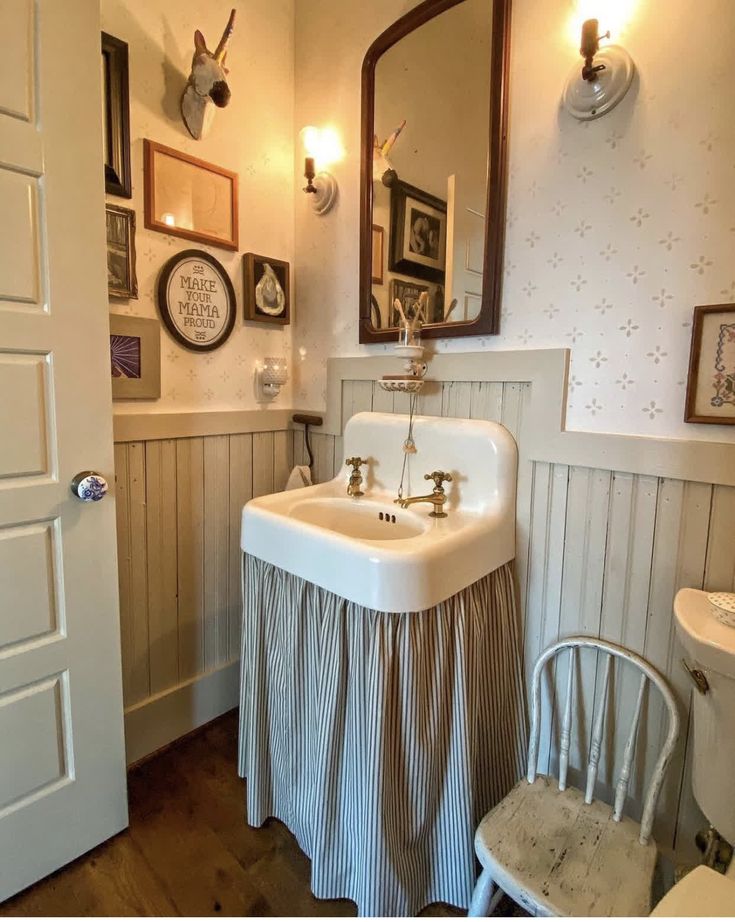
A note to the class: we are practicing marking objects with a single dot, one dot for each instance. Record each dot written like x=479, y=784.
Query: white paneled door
x=62, y=779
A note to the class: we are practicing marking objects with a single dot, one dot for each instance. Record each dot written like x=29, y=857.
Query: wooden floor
x=188, y=850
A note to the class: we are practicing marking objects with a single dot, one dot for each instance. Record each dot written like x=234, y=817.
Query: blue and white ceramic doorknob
x=89, y=486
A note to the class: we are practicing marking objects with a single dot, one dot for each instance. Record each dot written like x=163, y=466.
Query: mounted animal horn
x=219, y=54
x=207, y=84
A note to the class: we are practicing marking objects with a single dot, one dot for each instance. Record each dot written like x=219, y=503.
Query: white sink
x=371, y=551
x=359, y=520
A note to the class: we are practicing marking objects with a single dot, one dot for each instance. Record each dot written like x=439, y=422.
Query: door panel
x=17, y=59
x=20, y=248
x=30, y=591
x=23, y=412
x=62, y=765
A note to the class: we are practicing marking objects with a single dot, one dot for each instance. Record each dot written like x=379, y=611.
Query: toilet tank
x=710, y=647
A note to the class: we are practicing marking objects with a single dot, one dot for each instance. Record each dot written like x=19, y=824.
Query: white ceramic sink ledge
x=339, y=543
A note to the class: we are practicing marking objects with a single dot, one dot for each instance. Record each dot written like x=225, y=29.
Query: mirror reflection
x=430, y=168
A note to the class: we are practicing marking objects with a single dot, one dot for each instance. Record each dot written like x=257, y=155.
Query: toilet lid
x=703, y=892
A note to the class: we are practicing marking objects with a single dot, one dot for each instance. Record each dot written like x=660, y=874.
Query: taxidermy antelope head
x=207, y=84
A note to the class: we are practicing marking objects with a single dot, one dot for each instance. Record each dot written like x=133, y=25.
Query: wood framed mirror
x=437, y=196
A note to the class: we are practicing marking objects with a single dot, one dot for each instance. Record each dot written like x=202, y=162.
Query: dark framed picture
x=135, y=358
x=378, y=255
x=408, y=293
x=121, y=279
x=116, y=116
x=196, y=300
x=375, y=317
x=266, y=289
x=711, y=383
x=418, y=233
x=188, y=197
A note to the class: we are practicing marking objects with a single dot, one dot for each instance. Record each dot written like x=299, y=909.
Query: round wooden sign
x=196, y=300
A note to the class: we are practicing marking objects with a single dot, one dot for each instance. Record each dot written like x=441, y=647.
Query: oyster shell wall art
x=266, y=289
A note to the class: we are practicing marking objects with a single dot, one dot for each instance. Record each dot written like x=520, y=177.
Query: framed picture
x=378, y=255
x=196, y=300
x=135, y=358
x=711, y=384
x=121, y=278
x=408, y=294
x=189, y=198
x=375, y=317
x=418, y=233
x=266, y=289
x=116, y=116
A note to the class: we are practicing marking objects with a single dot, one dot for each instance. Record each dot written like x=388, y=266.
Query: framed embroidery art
x=711, y=385
x=196, y=300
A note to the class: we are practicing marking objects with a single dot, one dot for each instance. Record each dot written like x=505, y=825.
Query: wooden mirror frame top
x=488, y=320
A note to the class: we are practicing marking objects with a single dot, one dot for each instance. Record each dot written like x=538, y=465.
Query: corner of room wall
x=617, y=228
x=252, y=136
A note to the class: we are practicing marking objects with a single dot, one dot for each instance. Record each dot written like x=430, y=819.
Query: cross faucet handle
x=439, y=477
x=355, y=463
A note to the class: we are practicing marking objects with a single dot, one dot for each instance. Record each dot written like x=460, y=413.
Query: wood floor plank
x=189, y=850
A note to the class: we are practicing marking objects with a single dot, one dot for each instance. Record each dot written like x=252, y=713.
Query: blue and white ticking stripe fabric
x=380, y=740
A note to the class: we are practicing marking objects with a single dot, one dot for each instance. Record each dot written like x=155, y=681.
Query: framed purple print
x=135, y=358
x=711, y=385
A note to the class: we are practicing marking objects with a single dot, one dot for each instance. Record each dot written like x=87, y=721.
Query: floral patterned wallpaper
x=253, y=136
x=617, y=228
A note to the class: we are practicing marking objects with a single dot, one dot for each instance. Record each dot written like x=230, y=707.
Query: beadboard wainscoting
x=602, y=550
x=609, y=528
x=179, y=502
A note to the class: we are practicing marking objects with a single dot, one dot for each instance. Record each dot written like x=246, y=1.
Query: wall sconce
x=322, y=147
x=273, y=375
x=598, y=86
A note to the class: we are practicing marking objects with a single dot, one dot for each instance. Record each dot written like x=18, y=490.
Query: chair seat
x=561, y=857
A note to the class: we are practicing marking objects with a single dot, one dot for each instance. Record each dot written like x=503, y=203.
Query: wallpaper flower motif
x=619, y=226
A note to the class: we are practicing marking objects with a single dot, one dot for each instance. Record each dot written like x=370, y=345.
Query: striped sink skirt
x=379, y=739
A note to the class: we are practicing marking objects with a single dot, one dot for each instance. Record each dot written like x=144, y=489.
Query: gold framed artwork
x=121, y=279
x=378, y=255
x=188, y=197
x=711, y=384
x=266, y=289
x=135, y=358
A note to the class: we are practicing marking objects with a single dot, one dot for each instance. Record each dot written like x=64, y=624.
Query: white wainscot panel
x=36, y=715
x=29, y=597
x=20, y=247
x=23, y=411
x=16, y=62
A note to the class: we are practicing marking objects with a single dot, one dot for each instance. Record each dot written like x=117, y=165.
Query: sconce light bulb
x=590, y=38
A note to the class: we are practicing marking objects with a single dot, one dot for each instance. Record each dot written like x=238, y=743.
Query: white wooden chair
x=553, y=849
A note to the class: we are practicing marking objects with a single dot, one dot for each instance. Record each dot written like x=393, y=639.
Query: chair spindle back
x=648, y=674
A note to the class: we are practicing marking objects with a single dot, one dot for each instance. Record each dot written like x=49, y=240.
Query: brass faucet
x=437, y=497
x=353, y=487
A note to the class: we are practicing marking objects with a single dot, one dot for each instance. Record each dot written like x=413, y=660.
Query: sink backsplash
x=481, y=457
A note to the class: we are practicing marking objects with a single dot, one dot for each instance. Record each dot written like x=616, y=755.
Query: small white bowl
x=723, y=606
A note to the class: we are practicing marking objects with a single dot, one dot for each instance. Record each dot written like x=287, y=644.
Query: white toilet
x=709, y=646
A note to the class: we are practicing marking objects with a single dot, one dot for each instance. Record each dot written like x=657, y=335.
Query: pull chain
x=409, y=446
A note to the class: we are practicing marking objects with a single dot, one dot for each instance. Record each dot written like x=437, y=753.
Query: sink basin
x=371, y=551
x=369, y=520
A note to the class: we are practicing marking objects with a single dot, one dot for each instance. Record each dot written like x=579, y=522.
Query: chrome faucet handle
x=355, y=463
x=439, y=477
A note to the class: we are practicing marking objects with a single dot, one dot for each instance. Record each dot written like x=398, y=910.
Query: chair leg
x=482, y=896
